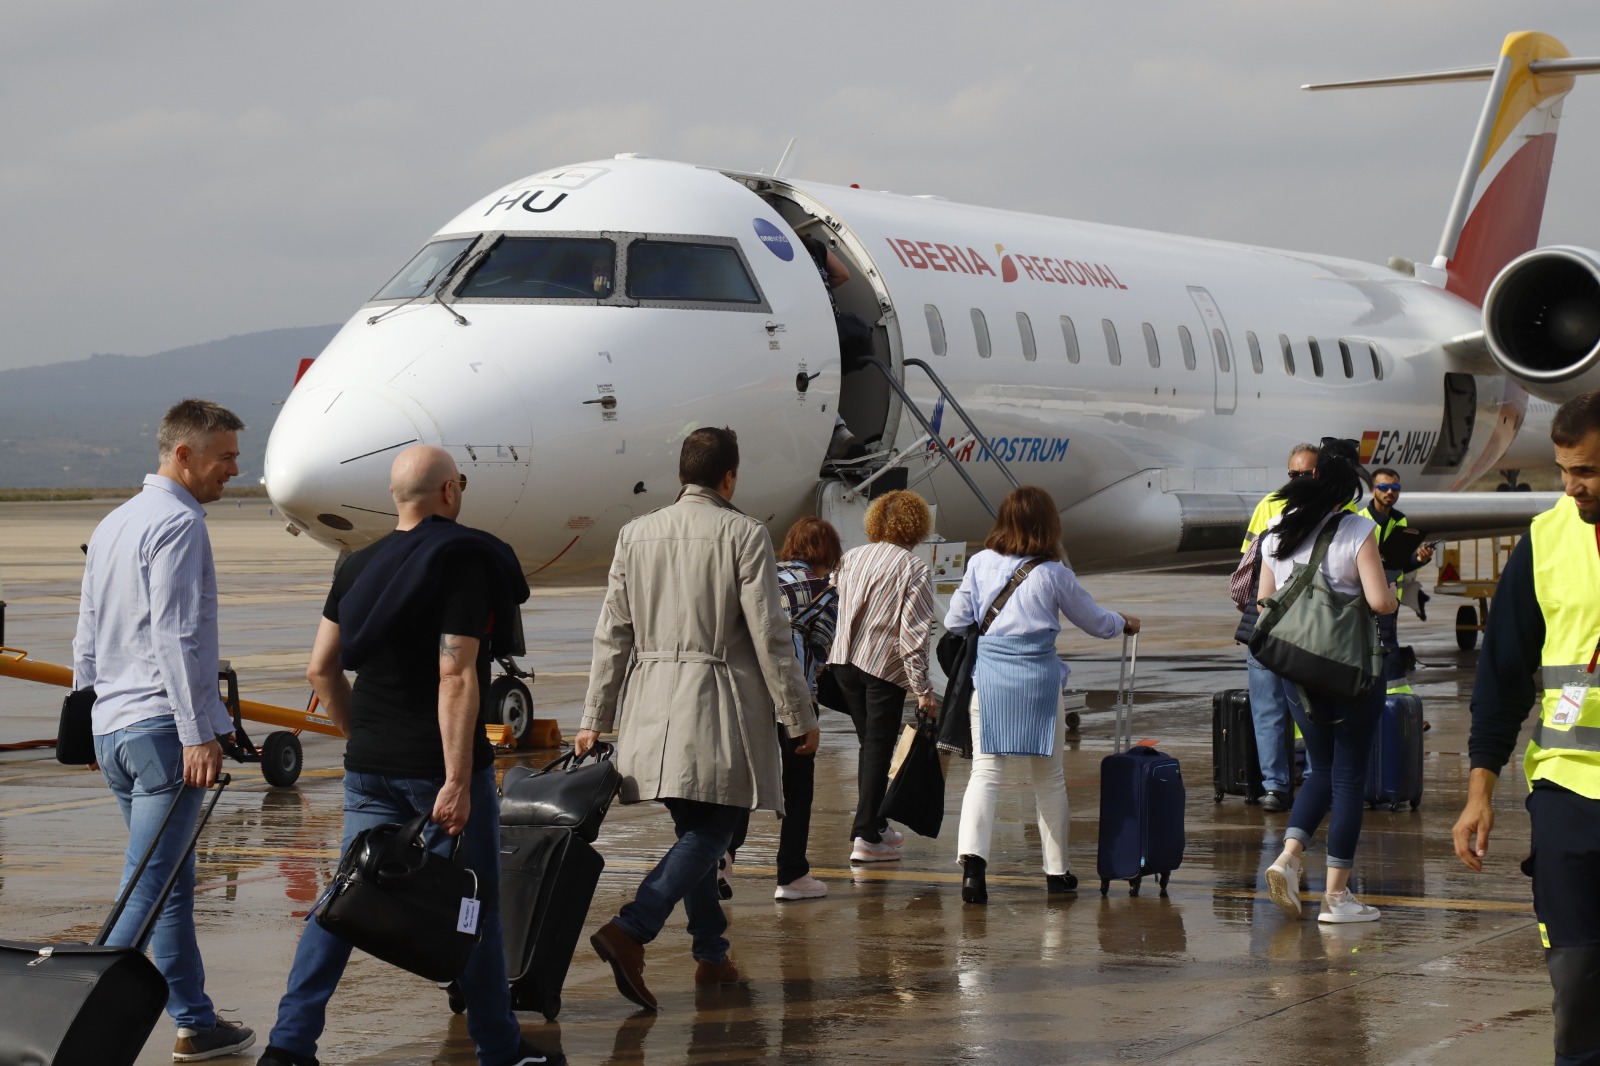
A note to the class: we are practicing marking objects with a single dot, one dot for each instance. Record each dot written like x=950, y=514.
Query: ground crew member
x=1546, y=617
x=1382, y=510
x=1269, y=709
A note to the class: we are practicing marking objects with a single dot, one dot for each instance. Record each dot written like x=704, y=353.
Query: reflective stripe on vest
x=1566, y=581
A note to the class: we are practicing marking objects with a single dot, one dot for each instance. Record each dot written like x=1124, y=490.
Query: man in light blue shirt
x=147, y=644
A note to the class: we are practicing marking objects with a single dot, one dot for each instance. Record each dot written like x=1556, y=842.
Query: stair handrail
x=933, y=435
x=971, y=425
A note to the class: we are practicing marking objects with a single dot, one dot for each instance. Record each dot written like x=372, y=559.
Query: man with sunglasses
x=1382, y=510
x=1268, y=707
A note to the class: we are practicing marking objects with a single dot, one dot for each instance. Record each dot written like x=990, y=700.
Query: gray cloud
x=177, y=172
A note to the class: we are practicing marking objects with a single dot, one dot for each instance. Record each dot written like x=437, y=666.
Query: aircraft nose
x=328, y=458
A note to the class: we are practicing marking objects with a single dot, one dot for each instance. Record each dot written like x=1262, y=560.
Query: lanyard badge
x=1570, y=705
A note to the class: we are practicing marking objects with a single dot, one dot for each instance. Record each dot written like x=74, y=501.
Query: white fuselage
x=566, y=409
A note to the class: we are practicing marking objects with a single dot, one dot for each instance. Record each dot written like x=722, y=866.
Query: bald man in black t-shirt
x=418, y=615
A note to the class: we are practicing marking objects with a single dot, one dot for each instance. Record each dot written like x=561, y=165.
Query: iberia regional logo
x=1008, y=269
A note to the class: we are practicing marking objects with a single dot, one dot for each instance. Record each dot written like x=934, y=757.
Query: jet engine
x=1541, y=317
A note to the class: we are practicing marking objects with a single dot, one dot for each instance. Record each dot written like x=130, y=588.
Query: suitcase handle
x=1123, y=729
x=148, y=925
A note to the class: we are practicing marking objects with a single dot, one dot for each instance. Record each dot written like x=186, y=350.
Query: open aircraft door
x=1227, y=382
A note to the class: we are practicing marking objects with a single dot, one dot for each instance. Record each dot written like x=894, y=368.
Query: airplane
x=562, y=334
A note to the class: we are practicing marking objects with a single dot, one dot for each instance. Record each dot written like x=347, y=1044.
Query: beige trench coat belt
x=678, y=655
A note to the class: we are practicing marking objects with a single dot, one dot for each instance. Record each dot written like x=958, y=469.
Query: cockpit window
x=544, y=268
x=688, y=273
x=426, y=269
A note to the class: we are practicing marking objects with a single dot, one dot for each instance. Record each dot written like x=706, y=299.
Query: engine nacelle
x=1541, y=317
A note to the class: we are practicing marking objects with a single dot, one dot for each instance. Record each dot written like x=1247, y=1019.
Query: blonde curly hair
x=899, y=517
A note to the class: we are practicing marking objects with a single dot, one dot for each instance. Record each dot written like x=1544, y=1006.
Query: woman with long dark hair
x=1338, y=731
x=1018, y=678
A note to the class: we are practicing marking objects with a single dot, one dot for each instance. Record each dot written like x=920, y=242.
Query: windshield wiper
x=438, y=278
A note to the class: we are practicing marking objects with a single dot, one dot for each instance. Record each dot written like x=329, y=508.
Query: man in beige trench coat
x=694, y=645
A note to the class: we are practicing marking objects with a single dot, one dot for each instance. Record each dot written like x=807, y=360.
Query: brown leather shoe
x=626, y=956
x=716, y=973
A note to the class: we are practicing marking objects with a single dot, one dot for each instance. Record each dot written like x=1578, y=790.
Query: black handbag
x=75, y=734
x=571, y=793
x=958, y=654
x=65, y=1004
x=400, y=902
x=915, y=797
x=829, y=694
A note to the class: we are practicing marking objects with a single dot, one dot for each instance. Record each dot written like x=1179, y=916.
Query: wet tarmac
x=891, y=966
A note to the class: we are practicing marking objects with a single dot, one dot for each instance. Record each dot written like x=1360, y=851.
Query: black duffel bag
x=400, y=902
x=571, y=793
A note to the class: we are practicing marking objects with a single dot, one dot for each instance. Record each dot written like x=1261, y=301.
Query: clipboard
x=1399, y=548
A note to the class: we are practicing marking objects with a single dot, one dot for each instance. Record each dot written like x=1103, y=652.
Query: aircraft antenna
x=782, y=169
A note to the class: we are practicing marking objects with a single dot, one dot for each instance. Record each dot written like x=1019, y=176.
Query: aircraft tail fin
x=1499, y=202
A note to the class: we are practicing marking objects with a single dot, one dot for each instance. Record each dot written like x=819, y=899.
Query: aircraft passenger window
x=544, y=268
x=1316, y=355
x=426, y=269
x=935, y=329
x=1188, y=347
x=1288, y=354
x=1150, y=345
x=1224, y=362
x=1344, y=357
x=1030, y=351
x=1377, y=364
x=1255, y=351
x=980, y=330
x=688, y=273
x=1113, y=349
x=1069, y=337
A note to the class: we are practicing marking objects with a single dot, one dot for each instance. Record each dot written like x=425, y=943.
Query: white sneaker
x=893, y=838
x=867, y=851
x=806, y=887
x=1283, y=884
x=1344, y=907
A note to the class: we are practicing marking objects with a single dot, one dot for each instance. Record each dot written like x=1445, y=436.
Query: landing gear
x=511, y=702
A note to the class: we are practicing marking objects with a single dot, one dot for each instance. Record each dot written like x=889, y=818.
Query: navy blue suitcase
x=1394, y=766
x=1141, y=801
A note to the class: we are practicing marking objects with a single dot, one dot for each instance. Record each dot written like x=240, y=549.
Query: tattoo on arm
x=448, y=646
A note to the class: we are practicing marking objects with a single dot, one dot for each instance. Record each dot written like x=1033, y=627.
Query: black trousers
x=1565, y=866
x=794, y=831
x=876, y=707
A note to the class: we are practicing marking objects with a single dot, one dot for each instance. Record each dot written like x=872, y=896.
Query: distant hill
x=92, y=423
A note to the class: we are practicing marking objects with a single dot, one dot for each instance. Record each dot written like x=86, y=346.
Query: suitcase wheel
x=1394, y=807
x=1105, y=888
x=1163, y=882
x=1217, y=798
x=1133, y=887
x=458, y=1005
x=1416, y=803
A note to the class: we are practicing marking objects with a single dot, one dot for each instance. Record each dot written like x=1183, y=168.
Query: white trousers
x=1049, y=795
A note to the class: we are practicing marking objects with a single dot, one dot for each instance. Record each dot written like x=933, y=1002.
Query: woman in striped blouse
x=1018, y=678
x=880, y=652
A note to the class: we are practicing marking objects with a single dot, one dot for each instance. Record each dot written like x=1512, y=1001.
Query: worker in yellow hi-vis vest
x=1546, y=617
x=1382, y=510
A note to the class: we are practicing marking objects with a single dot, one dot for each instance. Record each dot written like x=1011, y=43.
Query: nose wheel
x=511, y=703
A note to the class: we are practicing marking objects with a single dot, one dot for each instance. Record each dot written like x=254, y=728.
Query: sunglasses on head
x=1386, y=486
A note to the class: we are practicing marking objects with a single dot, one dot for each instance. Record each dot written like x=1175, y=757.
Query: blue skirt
x=1018, y=681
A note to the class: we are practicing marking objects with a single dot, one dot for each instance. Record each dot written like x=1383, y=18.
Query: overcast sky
x=177, y=172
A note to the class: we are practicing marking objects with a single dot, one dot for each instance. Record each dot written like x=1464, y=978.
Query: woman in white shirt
x=1338, y=732
x=1018, y=678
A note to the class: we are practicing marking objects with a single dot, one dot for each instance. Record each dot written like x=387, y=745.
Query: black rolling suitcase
x=1394, y=766
x=1235, y=766
x=1141, y=800
x=74, y=1004
x=548, y=877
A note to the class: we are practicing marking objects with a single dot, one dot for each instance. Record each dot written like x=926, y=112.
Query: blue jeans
x=1270, y=709
x=320, y=959
x=143, y=764
x=1337, y=757
x=687, y=872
